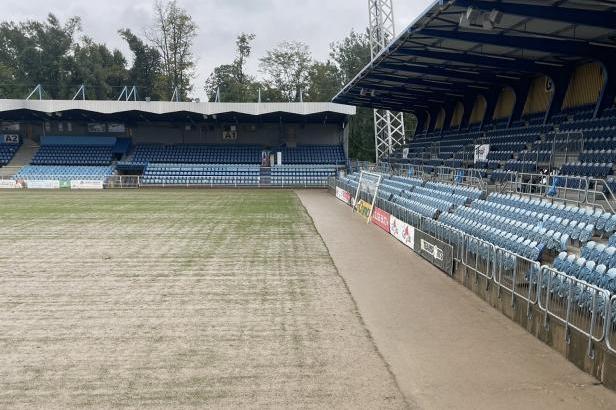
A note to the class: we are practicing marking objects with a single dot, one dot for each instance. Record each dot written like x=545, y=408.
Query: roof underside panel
x=461, y=48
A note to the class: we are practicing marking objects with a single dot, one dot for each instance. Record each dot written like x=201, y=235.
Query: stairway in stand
x=22, y=157
x=266, y=176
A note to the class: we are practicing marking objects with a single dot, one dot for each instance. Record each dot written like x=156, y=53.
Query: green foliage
x=234, y=83
x=351, y=55
x=34, y=52
x=173, y=34
x=286, y=69
x=146, y=70
x=94, y=64
x=324, y=81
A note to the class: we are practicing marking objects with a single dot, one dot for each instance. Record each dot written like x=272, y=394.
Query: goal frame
x=379, y=177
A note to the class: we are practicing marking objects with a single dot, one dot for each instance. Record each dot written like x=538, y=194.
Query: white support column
x=389, y=132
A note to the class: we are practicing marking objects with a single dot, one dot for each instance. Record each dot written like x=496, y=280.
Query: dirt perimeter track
x=446, y=347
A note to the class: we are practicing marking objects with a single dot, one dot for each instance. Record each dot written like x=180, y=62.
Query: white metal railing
x=610, y=334
x=575, y=304
x=573, y=190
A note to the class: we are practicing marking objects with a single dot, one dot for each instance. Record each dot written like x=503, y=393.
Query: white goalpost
x=367, y=190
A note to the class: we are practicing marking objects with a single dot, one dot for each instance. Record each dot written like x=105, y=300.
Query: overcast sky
x=315, y=22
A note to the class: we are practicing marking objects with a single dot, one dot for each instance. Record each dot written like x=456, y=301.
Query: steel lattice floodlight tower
x=388, y=126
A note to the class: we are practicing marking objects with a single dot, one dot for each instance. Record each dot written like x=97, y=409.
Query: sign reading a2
x=11, y=139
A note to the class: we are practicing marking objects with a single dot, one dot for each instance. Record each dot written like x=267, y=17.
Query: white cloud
x=315, y=22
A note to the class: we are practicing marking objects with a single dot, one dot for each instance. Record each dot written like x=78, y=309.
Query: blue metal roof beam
x=401, y=89
x=503, y=63
x=593, y=18
x=453, y=88
x=478, y=78
x=538, y=43
x=397, y=97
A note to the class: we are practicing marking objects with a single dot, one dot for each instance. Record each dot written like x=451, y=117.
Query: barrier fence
x=135, y=181
x=610, y=337
x=576, y=304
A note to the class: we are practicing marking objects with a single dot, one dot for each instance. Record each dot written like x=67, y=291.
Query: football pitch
x=177, y=298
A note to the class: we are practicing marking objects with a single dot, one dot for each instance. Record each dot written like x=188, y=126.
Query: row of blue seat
x=7, y=151
x=603, y=221
x=587, y=270
x=73, y=155
x=64, y=172
x=553, y=240
x=598, y=156
x=506, y=240
x=521, y=166
x=596, y=170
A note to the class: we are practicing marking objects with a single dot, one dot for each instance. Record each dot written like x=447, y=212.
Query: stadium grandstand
x=511, y=167
x=357, y=292
x=173, y=144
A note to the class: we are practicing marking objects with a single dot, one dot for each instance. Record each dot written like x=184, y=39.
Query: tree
x=324, y=81
x=286, y=69
x=35, y=52
x=351, y=55
x=244, y=49
x=173, y=34
x=100, y=69
x=146, y=70
x=234, y=83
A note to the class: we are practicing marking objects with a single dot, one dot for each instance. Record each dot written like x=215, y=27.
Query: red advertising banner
x=381, y=219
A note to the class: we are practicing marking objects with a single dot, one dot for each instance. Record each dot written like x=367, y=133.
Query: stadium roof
x=459, y=48
x=169, y=111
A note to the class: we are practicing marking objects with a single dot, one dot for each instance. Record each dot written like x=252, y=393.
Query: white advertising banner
x=481, y=152
x=279, y=158
x=85, y=184
x=343, y=195
x=9, y=126
x=43, y=184
x=116, y=128
x=7, y=184
x=97, y=127
x=402, y=231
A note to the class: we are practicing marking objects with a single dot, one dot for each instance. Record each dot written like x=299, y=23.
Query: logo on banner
x=381, y=219
x=405, y=153
x=43, y=184
x=402, y=231
x=86, y=184
x=481, y=152
x=364, y=208
x=432, y=250
x=343, y=195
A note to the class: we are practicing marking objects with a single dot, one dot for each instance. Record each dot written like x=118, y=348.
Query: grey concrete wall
x=267, y=134
x=602, y=366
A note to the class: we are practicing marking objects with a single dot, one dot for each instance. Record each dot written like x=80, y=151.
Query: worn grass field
x=177, y=299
